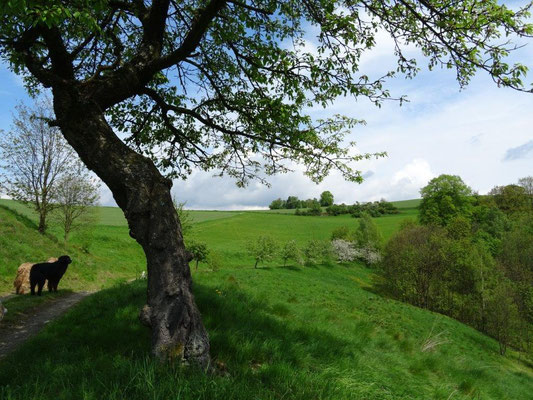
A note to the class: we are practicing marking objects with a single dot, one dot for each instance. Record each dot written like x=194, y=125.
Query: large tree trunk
x=144, y=196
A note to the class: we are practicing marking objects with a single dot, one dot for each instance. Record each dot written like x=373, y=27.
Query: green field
x=317, y=332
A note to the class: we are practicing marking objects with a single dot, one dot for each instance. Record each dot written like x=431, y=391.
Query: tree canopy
x=226, y=85
x=444, y=198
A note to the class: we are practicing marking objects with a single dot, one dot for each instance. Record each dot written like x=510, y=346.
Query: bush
x=214, y=260
x=342, y=232
x=314, y=208
x=346, y=251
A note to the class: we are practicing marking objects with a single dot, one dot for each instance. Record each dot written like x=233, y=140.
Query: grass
x=320, y=332
x=293, y=333
x=101, y=257
x=113, y=216
x=21, y=306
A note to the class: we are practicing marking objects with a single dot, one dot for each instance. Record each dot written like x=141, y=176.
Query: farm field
x=315, y=332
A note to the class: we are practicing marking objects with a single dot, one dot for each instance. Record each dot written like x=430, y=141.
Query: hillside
x=102, y=256
x=319, y=332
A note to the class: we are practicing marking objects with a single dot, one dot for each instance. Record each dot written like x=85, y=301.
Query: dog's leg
x=41, y=284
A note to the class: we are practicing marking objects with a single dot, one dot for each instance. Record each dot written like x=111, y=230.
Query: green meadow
x=295, y=332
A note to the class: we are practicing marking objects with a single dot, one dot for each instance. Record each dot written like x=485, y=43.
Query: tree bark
x=42, y=222
x=144, y=196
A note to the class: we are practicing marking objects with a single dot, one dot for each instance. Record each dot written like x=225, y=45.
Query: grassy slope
x=113, y=255
x=304, y=333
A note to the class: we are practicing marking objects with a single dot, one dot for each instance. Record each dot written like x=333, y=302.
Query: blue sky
x=483, y=134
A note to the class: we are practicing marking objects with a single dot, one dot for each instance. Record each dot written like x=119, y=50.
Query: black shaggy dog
x=51, y=271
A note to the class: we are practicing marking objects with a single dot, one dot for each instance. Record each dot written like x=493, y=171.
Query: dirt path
x=13, y=335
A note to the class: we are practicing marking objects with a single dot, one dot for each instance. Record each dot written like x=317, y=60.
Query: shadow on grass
x=21, y=305
x=100, y=343
x=27, y=222
x=24, y=220
x=291, y=268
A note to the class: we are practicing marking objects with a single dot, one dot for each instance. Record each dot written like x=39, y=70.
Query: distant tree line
x=315, y=206
x=293, y=202
x=374, y=209
x=469, y=257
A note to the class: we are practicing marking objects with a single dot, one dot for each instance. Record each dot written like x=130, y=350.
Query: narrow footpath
x=17, y=332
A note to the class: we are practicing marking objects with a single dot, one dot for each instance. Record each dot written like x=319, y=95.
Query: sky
x=482, y=133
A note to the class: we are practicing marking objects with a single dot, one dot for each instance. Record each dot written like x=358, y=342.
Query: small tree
x=185, y=216
x=317, y=251
x=368, y=234
x=199, y=252
x=76, y=193
x=502, y=316
x=444, y=198
x=264, y=248
x=314, y=208
x=326, y=199
x=291, y=251
x=33, y=156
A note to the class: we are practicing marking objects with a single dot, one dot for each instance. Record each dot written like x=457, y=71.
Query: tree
x=527, y=183
x=34, y=157
x=224, y=85
x=413, y=264
x=264, y=248
x=314, y=208
x=185, y=217
x=503, y=320
x=199, y=252
x=444, y=198
x=326, y=199
x=511, y=199
x=368, y=234
x=75, y=194
x=291, y=251
x=292, y=202
x=277, y=204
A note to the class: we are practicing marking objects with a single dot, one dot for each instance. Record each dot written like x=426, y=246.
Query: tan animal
x=22, y=281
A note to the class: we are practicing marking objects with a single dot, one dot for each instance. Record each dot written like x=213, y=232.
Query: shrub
x=314, y=208
x=214, y=260
x=346, y=251
x=342, y=232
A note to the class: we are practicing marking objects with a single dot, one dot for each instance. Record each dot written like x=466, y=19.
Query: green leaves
x=245, y=99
